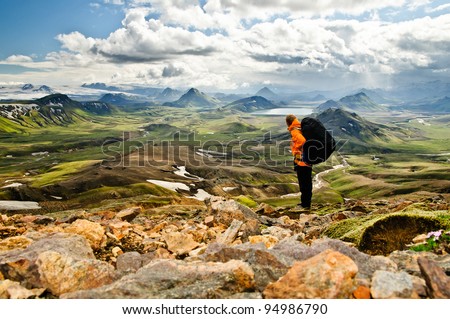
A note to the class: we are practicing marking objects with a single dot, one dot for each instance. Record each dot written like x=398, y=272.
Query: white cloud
x=18, y=58
x=267, y=8
x=76, y=42
x=415, y=4
x=185, y=45
x=141, y=40
x=115, y=2
x=95, y=5
x=438, y=8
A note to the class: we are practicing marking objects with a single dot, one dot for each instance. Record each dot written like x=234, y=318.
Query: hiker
x=304, y=170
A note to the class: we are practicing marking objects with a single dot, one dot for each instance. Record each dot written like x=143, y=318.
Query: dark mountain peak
x=97, y=107
x=45, y=89
x=193, y=91
x=55, y=100
x=194, y=98
x=27, y=86
x=361, y=96
x=266, y=93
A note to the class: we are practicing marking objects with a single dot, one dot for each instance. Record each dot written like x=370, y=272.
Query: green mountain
x=250, y=104
x=54, y=109
x=357, y=134
x=194, y=98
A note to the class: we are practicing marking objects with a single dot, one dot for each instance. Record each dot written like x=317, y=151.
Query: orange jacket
x=297, y=142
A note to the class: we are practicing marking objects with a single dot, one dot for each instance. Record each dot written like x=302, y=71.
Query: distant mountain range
x=250, y=104
x=429, y=107
x=194, y=98
x=145, y=91
x=42, y=88
x=126, y=102
x=101, y=86
x=359, y=102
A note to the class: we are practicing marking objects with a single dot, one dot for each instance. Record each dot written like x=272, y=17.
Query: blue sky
x=33, y=25
x=225, y=44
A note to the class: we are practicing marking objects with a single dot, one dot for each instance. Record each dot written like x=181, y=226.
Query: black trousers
x=304, y=175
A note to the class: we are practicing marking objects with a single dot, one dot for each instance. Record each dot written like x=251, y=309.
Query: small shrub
x=437, y=242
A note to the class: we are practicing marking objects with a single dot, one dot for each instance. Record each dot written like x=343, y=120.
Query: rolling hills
x=55, y=109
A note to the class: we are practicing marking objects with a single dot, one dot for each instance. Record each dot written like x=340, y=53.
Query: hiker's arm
x=297, y=142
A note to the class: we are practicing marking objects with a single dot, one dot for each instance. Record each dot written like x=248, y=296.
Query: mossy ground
x=384, y=233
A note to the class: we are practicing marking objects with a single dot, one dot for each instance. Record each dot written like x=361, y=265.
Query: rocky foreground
x=221, y=250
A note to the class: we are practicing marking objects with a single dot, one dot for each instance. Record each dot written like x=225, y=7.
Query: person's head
x=289, y=119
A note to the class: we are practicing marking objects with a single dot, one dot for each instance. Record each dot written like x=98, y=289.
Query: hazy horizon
x=222, y=45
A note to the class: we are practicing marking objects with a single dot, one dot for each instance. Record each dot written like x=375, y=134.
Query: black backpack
x=319, y=144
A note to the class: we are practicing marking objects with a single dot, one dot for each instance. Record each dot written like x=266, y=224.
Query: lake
x=299, y=108
x=299, y=111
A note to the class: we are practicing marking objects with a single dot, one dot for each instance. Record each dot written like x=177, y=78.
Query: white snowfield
x=18, y=205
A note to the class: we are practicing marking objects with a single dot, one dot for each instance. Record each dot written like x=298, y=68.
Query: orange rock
x=362, y=292
x=328, y=275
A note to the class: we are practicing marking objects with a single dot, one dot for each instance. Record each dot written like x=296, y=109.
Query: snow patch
x=181, y=171
x=40, y=153
x=174, y=186
x=201, y=195
x=228, y=189
x=18, y=205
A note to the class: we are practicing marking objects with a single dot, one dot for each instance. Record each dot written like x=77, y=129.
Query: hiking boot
x=302, y=209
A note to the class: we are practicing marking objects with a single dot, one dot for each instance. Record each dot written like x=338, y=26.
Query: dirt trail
x=319, y=182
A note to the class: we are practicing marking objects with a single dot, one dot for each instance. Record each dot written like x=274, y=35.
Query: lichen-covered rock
x=389, y=285
x=225, y=211
x=367, y=264
x=129, y=261
x=20, y=264
x=61, y=274
x=407, y=260
x=278, y=232
x=329, y=274
x=267, y=265
x=177, y=279
x=13, y=290
x=93, y=232
x=268, y=240
x=438, y=282
x=230, y=234
x=180, y=243
x=15, y=242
